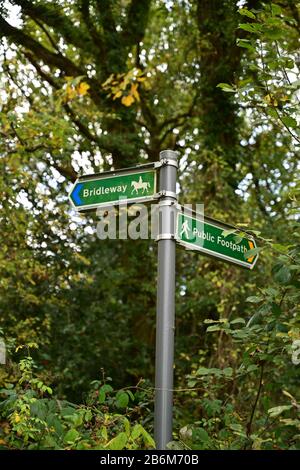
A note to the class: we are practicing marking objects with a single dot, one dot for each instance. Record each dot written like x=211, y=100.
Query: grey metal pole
x=165, y=316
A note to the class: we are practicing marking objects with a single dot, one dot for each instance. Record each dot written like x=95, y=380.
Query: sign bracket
x=165, y=161
x=165, y=193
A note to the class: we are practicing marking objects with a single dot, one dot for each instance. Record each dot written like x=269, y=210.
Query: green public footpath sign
x=210, y=237
x=132, y=185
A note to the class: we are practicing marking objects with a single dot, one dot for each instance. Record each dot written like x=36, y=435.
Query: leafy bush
x=33, y=419
x=252, y=403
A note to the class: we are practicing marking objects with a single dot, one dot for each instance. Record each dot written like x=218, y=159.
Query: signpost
x=193, y=231
x=165, y=312
x=215, y=238
x=110, y=188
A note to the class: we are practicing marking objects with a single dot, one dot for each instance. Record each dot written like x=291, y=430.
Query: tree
x=94, y=85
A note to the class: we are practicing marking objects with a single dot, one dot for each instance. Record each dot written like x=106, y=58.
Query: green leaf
x=107, y=388
x=245, y=43
x=147, y=438
x=137, y=431
x=239, y=238
x=277, y=410
x=118, y=442
x=272, y=112
x=289, y=121
x=253, y=299
x=203, y=371
x=226, y=87
x=103, y=432
x=225, y=233
x=250, y=27
x=252, y=252
x=254, y=320
x=131, y=396
x=246, y=12
x=103, y=391
x=265, y=308
x=176, y=445
x=192, y=383
x=236, y=427
x=252, y=368
x=71, y=436
x=127, y=426
x=282, y=248
x=276, y=9
x=238, y=320
x=122, y=399
x=274, y=33
x=88, y=416
x=281, y=273
x=201, y=435
x=213, y=328
x=276, y=309
x=101, y=396
x=228, y=371
x=271, y=292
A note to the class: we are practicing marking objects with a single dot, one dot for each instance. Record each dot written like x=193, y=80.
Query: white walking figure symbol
x=140, y=184
x=185, y=229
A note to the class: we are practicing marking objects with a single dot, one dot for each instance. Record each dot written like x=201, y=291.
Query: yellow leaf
x=287, y=394
x=83, y=88
x=108, y=81
x=127, y=100
x=134, y=91
x=268, y=99
x=147, y=85
x=2, y=442
x=284, y=98
x=117, y=95
x=70, y=93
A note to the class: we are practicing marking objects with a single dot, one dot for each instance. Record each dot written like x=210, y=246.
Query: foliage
x=270, y=86
x=31, y=419
x=261, y=373
x=92, y=86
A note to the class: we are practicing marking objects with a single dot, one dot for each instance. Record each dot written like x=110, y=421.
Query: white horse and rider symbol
x=140, y=185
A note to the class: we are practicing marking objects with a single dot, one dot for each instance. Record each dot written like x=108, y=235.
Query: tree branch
x=260, y=384
x=177, y=118
x=84, y=8
x=258, y=190
x=67, y=172
x=137, y=20
x=106, y=16
x=50, y=14
x=50, y=38
x=84, y=130
x=58, y=60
